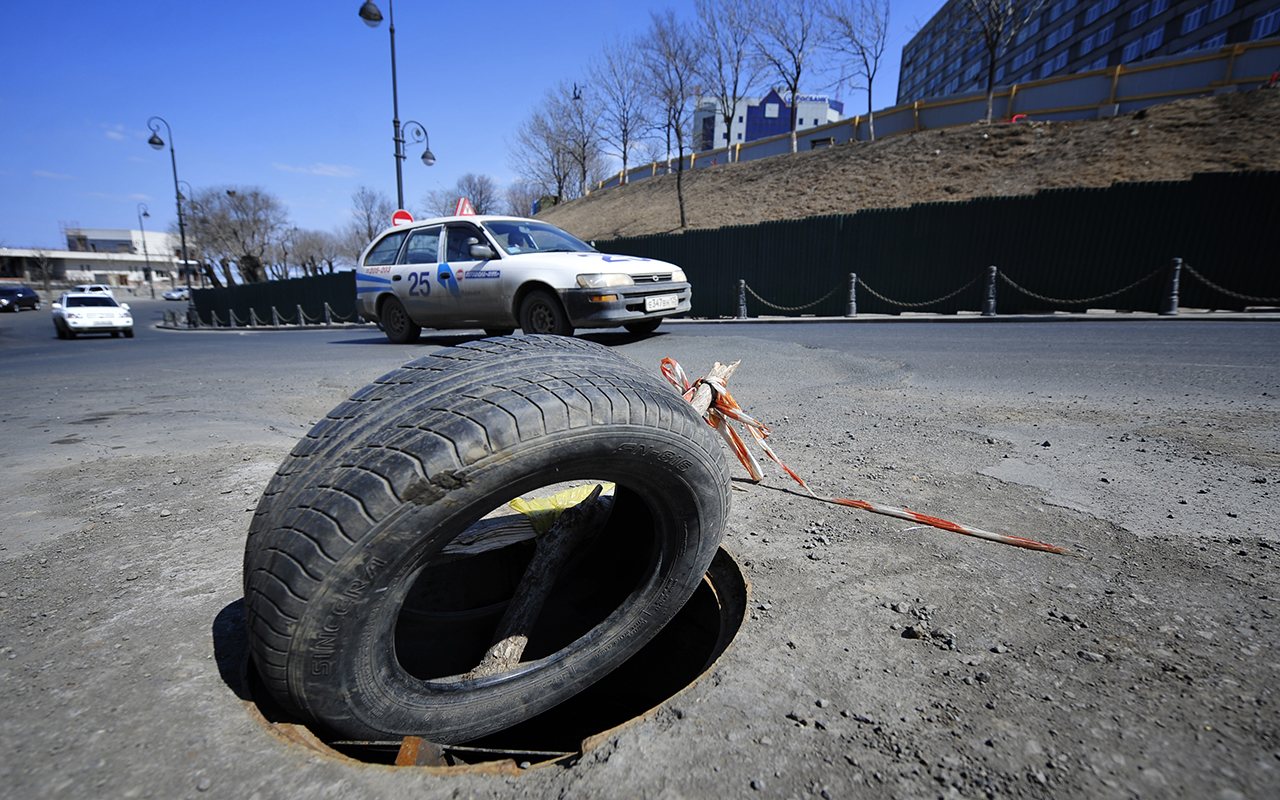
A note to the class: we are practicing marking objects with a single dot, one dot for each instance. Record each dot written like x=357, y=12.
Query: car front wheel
x=541, y=312
x=397, y=324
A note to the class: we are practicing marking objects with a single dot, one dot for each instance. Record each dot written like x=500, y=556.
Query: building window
x=951, y=86
x=1159, y=7
x=999, y=73
x=1046, y=69
x=1025, y=57
x=739, y=119
x=1031, y=30
x=1109, y=5
x=1099, y=63
x=1131, y=51
x=1027, y=78
x=1105, y=34
x=1266, y=24
x=1194, y=19
x=1091, y=16
x=972, y=72
x=1088, y=43
x=1214, y=42
x=1060, y=61
x=1219, y=7
x=739, y=137
x=1152, y=40
x=1138, y=15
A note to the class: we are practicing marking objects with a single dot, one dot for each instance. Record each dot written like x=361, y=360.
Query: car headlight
x=603, y=280
x=4, y=302
x=677, y=275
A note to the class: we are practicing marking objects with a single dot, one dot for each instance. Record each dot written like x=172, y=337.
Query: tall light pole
x=158, y=143
x=373, y=18
x=142, y=212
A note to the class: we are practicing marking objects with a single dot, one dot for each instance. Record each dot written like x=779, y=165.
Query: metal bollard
x=301, y=319
x=989, y=296
x=1169, y=300
x=328, y=316
x=275, y=317
x=742, y=299
x=851, y=307
x=253, y=318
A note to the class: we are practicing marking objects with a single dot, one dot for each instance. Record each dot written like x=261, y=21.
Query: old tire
x=541, y=313
x=349, y=617
x=644, y=326
x=396, y=322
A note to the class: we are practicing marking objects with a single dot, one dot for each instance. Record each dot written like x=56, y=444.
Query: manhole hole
x=684, y=650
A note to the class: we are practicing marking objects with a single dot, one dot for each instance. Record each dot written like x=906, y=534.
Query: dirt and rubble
x=1169, y=142
x=879, y=659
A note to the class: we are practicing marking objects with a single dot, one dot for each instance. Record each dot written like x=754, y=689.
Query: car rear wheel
x=396, y=323
x=540, y=312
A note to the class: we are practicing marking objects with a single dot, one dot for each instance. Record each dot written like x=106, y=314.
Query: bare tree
x=624, y=112
x=520, y=197
x=580, y=122
x=371, y=212
x=481, y=190
x=727, y=66
x=787, y=39
x=42, y=260
x=670, y=62
x=858, y=31
x=996, y=23
x=316, y=252
x=240, y=225
x=539, y=154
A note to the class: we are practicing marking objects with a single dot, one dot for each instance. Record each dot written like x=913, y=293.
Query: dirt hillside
x=1173, y=141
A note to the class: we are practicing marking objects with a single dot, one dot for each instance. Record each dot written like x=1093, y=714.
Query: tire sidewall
x=345, y=663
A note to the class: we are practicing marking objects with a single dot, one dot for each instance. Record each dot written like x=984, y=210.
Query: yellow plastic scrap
x=544, y=511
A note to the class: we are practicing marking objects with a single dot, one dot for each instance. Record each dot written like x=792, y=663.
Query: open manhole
x=684, y=650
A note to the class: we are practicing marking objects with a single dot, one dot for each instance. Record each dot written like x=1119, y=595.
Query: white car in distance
x=75, y=313
x=502, y=273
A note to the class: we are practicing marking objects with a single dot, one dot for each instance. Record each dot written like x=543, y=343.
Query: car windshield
x=90, y=301
x=523, y=236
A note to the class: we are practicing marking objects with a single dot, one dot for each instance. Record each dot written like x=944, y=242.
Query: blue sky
x=292, y=97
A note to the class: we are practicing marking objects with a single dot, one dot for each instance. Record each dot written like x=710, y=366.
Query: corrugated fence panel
x=312, y=293
x=1062, y=246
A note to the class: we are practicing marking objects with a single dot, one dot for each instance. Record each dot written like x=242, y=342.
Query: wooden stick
x=554, y=547
x=702, y=398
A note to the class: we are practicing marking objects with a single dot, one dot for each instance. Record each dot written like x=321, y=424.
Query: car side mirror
x=57, y=305
x=125, y=306
x=481, y=252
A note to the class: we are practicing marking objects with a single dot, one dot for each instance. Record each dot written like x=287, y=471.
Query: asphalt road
x=1149, y=446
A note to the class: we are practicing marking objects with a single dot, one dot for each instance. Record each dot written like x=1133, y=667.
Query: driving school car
x=500, y=273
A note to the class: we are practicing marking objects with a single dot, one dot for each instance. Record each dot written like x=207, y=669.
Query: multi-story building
x=1066, y=36
x=760, y=117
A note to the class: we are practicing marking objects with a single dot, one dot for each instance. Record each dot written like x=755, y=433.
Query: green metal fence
x=320, y=297
x=1058, y=247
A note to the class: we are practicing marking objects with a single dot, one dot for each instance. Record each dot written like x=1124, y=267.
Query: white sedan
x=500, y=273
x=91, y=312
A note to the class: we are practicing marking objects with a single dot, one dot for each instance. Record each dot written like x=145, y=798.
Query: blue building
x=761, y=117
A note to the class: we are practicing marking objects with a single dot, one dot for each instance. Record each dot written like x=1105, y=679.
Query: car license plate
x=661, y=303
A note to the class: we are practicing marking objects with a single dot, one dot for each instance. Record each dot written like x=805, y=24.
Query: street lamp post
x=373, y=18
x=142, y=212
x=158, y=143
x=193, y=210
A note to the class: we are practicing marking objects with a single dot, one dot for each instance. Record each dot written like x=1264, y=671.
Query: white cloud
x=40, y=173
x=327, y=170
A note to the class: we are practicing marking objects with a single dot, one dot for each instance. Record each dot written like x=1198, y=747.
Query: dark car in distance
x=16, y=298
